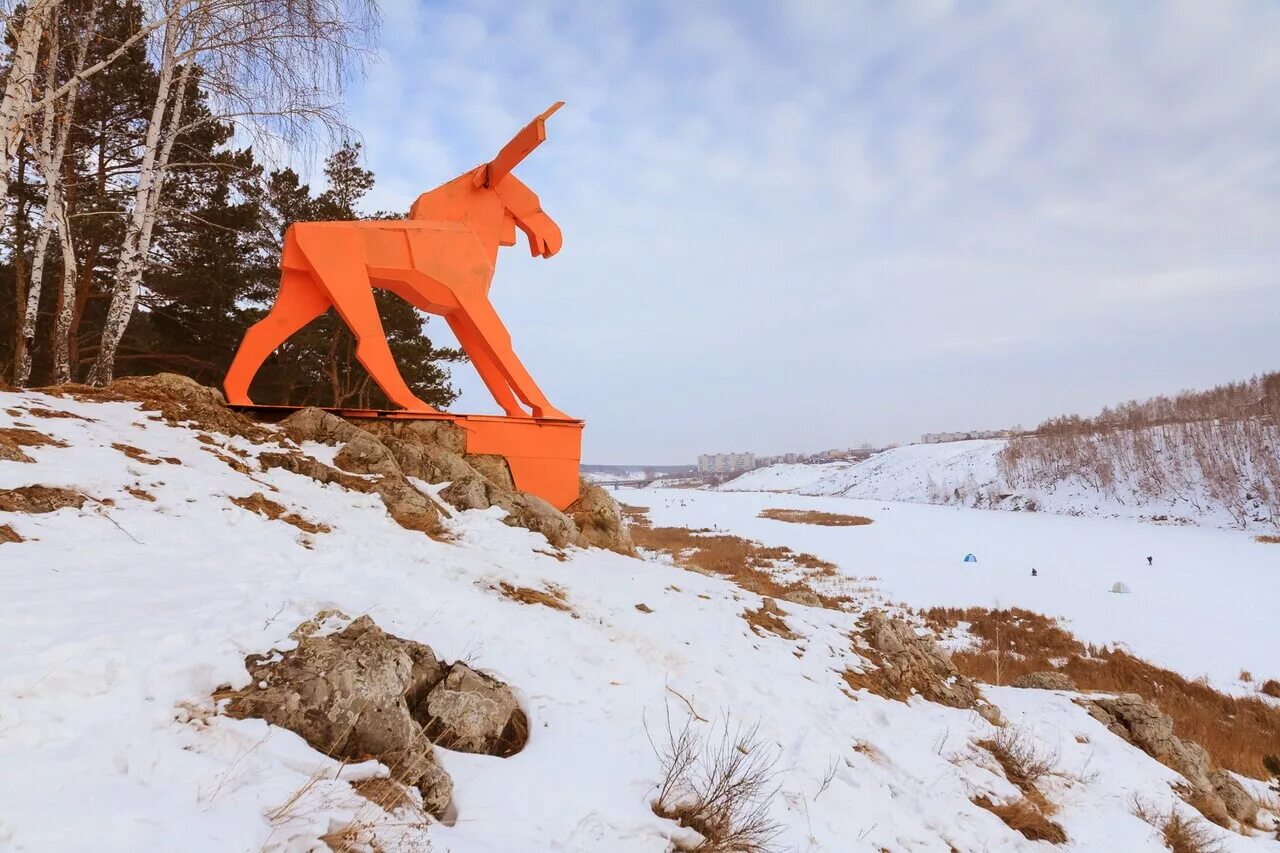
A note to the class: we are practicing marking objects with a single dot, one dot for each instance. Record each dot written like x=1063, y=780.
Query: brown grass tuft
x=259, y=503
x=768, y=619
x=56, y=413
x=644, y=608
x=1237, y=731
x=552, y=597
x=809, y=516
x=8, y=534
x=136, y=453
x=1024, y=817
x=1268, y=539
x=1271, y=687
x=1180, y=834
x=140, y=494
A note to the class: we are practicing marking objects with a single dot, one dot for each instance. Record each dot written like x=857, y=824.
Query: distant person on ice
x=1033, y=573
x=1148, y=561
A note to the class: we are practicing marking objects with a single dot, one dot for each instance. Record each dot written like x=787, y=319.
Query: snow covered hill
x=126, y=607
x=969, y=473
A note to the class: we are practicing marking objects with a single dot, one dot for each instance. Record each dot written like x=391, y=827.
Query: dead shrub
x=1237, y=731
x=719, y=786
x=1023, y=760
x=810, y=516
x=1180, y=834
x=259, y=503
x=552, y=597
x=13, y=439
x=1268, y=539
x=8, y=534
x=1024, y=817
x=385, y=793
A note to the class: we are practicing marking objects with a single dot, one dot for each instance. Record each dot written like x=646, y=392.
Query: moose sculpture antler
x=440, y=260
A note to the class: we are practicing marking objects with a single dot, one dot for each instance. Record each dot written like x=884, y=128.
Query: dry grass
x=1271, y=687
x=13, y=439
x=1268, y=539
x=1024, y=762
x=644, y=608
x=140, y=494
x=259, y=503
x=809, y=516
x=552, y=597
x=8, y=534
x=749, y=564
x=1237, y=731
x=1180, y=834
x=1024, y=817
x=387, y=794
x=139, y=455
x=56, y=413
x=719, y=785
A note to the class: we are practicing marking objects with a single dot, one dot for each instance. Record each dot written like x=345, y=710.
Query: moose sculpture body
x=440, y=260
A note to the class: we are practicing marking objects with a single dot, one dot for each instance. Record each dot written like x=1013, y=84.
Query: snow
x=966, y=473
x=1222, y=582
x=120, y=619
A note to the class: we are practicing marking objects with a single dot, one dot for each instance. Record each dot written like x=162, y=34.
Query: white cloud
x=790, y=205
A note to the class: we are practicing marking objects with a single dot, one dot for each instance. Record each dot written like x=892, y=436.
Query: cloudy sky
x=802, y=225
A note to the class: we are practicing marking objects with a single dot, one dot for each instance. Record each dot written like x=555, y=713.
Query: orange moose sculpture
x=440, y=260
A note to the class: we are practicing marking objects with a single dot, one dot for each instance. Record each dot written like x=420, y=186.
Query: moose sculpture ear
x=521, y=145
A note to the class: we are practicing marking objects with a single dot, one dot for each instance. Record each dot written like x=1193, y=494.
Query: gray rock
x=1046, y=680
x=471, y=712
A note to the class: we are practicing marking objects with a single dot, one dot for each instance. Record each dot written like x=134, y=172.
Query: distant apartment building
x=940, y=437
x=725, y=463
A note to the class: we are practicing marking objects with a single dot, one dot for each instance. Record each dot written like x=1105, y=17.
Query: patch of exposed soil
x=552, y=597
x=13, y=439
x=8, y=534
x=809, y=516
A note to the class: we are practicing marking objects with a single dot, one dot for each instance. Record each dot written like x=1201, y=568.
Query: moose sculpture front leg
x=492, y=335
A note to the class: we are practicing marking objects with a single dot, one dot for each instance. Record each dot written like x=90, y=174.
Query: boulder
x=1046, y=680
x=38, y=499
x=470, y=712
x=912, y=664
x=469, y=492
x=178, y=399
x=533, y=513
x=349, y=695
x=1237, y=800
x=599, y=520
x=361, y=693
x=493, y=468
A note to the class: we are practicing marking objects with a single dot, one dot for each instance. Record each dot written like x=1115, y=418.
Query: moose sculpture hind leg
x=299, y=301
x=336, y=256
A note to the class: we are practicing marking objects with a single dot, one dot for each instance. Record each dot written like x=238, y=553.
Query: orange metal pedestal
x=543, y=453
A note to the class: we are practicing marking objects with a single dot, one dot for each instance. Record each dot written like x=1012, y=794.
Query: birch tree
x=27, y=32
x=50, y=152
x=273, y=68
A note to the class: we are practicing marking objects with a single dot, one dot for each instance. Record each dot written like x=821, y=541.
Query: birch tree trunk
x=28, y=312
x=124, y=296
x=16, y=102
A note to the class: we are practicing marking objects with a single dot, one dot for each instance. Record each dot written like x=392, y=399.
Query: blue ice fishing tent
x=969, y=558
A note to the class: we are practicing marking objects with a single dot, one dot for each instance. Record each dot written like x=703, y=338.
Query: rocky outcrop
x=599, y=520
x=362, y=693
x=909, y=664
x=1216, y=793
x=1045, y=680
x=178, y=399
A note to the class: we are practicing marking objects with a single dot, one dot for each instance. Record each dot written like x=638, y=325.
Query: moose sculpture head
x=494, y=201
